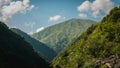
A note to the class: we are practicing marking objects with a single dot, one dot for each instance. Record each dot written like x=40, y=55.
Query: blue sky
x=49, y=12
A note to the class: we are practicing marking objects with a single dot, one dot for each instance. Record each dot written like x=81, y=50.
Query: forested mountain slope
x=97, y=47
x=59, y=36
x=15, y=52
x=43, y=50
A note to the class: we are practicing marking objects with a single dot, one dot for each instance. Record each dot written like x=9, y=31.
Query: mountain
x=15, y=52
x=59, y=36
x=97, y=47
x=39, y=47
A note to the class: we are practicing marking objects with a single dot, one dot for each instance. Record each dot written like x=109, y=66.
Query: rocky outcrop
x=111, y=62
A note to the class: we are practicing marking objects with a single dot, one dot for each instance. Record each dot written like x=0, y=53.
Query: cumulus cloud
x=40, y=29
x=96, y=7
x=29, y=24
x=3, y=2
x=83, y=15
x=8, y=8
x=31, y=33
x=55, y=18
x=85, y=6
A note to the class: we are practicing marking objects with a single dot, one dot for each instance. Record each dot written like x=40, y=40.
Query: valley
x=56, y=35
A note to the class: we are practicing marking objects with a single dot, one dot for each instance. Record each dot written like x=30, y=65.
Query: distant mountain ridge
x=15, y=52
x=43, y=50
x=59, y=36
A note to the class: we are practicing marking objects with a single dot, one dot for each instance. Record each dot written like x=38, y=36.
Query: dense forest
x=15, y=52
x=97, y=47
x=43, y=50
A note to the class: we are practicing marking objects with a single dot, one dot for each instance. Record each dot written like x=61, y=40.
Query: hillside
x=39, y=47
x=15, y=52
x=97, y=47
x=59, y=36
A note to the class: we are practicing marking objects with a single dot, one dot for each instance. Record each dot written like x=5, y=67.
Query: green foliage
x=59, y=36
x=114, y=16
x=15, y=52
x=42, y=49
x=98, y=41
x=103, y=66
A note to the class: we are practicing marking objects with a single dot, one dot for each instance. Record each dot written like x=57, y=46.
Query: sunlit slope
x=97, y=47
x=59, y=36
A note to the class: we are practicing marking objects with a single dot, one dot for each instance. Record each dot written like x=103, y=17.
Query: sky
x=35, y=15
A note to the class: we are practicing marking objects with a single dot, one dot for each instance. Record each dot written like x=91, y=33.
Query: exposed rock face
x=111, y=62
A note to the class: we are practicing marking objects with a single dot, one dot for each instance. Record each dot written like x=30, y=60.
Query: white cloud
x=30, y=33
x=3, y=2
x=102, y=5
x=85, y=6
x=96, y=7
x=8, y=8
x=40, y=29
x=83, y=15
x=29, y=24
x=55, y=18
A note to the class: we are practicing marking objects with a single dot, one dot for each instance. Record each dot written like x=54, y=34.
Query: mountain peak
x=60, y=35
